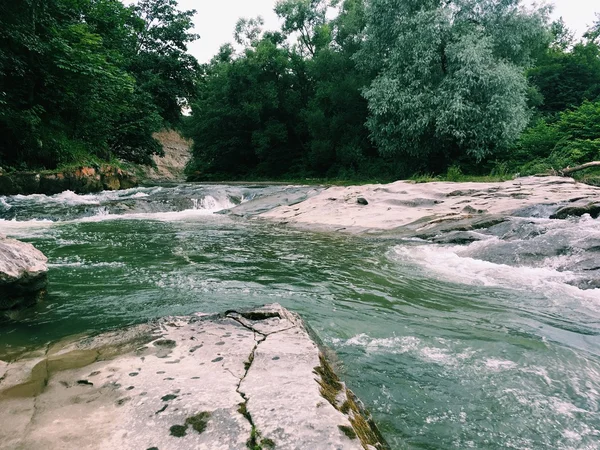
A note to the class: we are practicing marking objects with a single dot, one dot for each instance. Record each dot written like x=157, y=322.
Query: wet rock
x=23, y=271
x=470, y=210
x=593, y=209
x=54, y=183
x=413, y=202
x=462, y=193
x=287, y=196
x=270, y=388
x=19, y=183
x=84, y=180
x=536, y=211
x=81, y=180
x=457, y=237
x=587, y=283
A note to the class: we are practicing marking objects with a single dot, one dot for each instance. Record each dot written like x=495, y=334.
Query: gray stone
x=253, y=380
x=457, y=237
x=23, y=271
x=593, y=209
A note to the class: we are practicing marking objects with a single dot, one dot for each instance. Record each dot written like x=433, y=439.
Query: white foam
x=445, y=262
x=210, y=203
x=73, y=199
x=14, y=224
x=170, y=216
x=498, y=365
x=393, y=344
x=87, y=264
x=139, y=195
x=4, y=204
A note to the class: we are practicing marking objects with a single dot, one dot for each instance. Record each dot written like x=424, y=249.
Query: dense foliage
x=285, y=108
x=388, y=88
x=83, y=79
x=565, y=130
x=371, y=89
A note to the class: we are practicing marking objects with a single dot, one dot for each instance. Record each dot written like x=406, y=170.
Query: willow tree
x=449, y=75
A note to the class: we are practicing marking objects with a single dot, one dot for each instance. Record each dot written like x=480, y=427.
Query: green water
x=441, y=362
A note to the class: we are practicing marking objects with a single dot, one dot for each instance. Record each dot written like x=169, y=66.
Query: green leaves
x=571, y=140
x=449, y=75
x=90, y=76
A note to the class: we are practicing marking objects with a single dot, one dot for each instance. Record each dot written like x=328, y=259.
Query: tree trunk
x=570, y=170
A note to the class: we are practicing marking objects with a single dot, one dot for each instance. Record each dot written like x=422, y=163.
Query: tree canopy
x=82, y=78
x=371, y=89
x=449, y=75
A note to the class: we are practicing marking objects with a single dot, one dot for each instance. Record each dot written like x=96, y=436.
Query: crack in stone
x=244, y=325
x=243, y=410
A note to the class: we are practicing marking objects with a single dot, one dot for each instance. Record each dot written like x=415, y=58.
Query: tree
x=89, y=79
x=450, y=76
x=336, y=112
x=566, y=78
x=245, y=118
x=248, y=31
x=308, y=19
x=572, y=139
x=593, y=34
x=160, y=63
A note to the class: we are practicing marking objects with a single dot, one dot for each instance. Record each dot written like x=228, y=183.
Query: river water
x=492, y=344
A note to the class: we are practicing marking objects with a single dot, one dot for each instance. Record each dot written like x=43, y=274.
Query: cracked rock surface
x=240, y=380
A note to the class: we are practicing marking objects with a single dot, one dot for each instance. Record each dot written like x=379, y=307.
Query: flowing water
x=492, y=344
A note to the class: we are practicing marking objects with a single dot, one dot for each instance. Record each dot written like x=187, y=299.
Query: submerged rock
x=22, y=273
x=593, y=209
x=234, y=381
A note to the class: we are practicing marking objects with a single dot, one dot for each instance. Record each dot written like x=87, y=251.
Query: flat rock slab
x=423, y=206
x=239, y=380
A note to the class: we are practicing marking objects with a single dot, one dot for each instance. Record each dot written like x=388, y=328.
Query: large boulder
x=23, y=271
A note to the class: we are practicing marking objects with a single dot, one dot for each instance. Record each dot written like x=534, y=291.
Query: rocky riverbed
x=462, y=294
x=420, y=207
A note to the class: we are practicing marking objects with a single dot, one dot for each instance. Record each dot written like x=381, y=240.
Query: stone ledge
x=81, y=180
x=239, y=380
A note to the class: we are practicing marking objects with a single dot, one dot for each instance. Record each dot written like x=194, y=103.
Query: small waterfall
x=211, y=204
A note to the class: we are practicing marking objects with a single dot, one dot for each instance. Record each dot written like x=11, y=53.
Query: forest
x=349, y=90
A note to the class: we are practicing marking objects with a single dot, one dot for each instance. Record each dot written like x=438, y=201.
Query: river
x=492, y=344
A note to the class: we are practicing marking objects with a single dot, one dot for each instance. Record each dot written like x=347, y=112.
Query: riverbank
x=81, y=180
x=86, y=178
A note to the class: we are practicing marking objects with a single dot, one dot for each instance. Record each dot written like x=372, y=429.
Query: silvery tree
x=449, y=75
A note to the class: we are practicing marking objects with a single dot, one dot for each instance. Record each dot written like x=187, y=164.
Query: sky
x=216, y=20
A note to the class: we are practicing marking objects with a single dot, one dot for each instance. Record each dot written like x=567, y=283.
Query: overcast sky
x=215, y=20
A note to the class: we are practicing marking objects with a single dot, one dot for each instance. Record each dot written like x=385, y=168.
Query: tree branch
x=569, y=170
